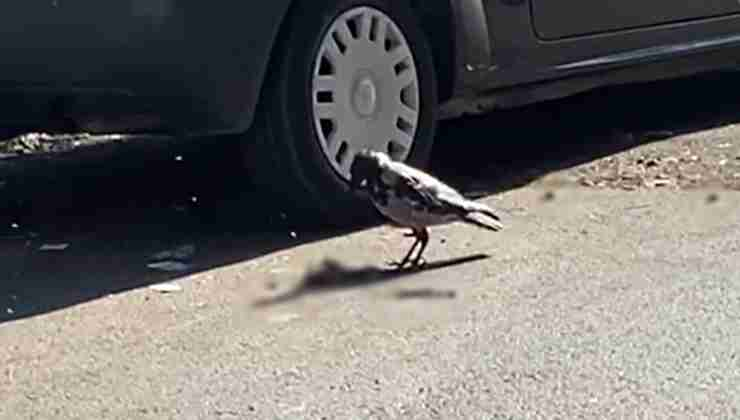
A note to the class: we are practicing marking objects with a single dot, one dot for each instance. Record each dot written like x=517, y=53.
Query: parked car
x=313, y=81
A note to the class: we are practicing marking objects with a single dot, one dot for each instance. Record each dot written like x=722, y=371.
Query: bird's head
x=365, y=168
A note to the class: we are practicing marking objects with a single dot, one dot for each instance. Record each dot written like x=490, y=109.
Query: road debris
x=661, y=182
x=658, y=134
x=169, y=266
x=54, y=247
x=33, y=143
x=283, y=318
x=182, y=253
x=166, y=287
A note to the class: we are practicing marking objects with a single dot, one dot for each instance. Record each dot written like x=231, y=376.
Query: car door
x=73, y=42
x=555, y=19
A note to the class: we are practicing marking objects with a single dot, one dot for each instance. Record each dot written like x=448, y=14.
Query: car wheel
x=345, y=75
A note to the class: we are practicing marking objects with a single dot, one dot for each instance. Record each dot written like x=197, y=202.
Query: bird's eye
x=363, y=183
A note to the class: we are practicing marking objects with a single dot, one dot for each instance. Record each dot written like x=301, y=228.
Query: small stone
x=672, y=160
x=283, y=318
x=652, y=163
x=166, y=288
x=712, y=198
x=587, y=182
x=661, y=182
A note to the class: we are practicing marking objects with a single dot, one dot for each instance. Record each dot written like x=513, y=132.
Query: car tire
x=290, y=151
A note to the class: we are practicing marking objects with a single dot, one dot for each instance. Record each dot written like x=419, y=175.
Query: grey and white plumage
x=411, y=198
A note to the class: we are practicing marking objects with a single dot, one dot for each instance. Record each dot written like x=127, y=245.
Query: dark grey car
x=313, y=81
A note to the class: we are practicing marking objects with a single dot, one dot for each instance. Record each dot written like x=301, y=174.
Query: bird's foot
x=419, y=263
x=412, y=265
x=398, y=265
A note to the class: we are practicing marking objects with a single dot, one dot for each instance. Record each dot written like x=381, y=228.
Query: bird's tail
x=473, y=207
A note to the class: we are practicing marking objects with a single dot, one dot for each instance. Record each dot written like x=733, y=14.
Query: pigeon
x=411, y=198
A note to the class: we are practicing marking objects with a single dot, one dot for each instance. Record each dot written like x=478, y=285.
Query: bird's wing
x=425, y=193
x=423, y=190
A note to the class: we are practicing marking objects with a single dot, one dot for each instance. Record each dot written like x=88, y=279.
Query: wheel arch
x=457, y=31
x=460, y=40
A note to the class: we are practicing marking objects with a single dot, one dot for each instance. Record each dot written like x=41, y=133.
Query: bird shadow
x=331, y=276
x=425, y=293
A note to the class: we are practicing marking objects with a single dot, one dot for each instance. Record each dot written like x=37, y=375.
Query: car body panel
x=519, y=56
x=555, y=19
x=200, y=68
x=202, y=65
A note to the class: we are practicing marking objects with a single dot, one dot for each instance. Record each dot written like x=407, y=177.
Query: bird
x=411, y=198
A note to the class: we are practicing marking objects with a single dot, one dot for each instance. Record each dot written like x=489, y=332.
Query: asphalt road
x=592, y=303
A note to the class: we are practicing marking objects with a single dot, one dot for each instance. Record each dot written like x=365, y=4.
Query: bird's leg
x=423, y=238
x=406, y=259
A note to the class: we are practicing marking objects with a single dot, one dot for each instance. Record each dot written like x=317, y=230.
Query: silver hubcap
x=365, y=89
